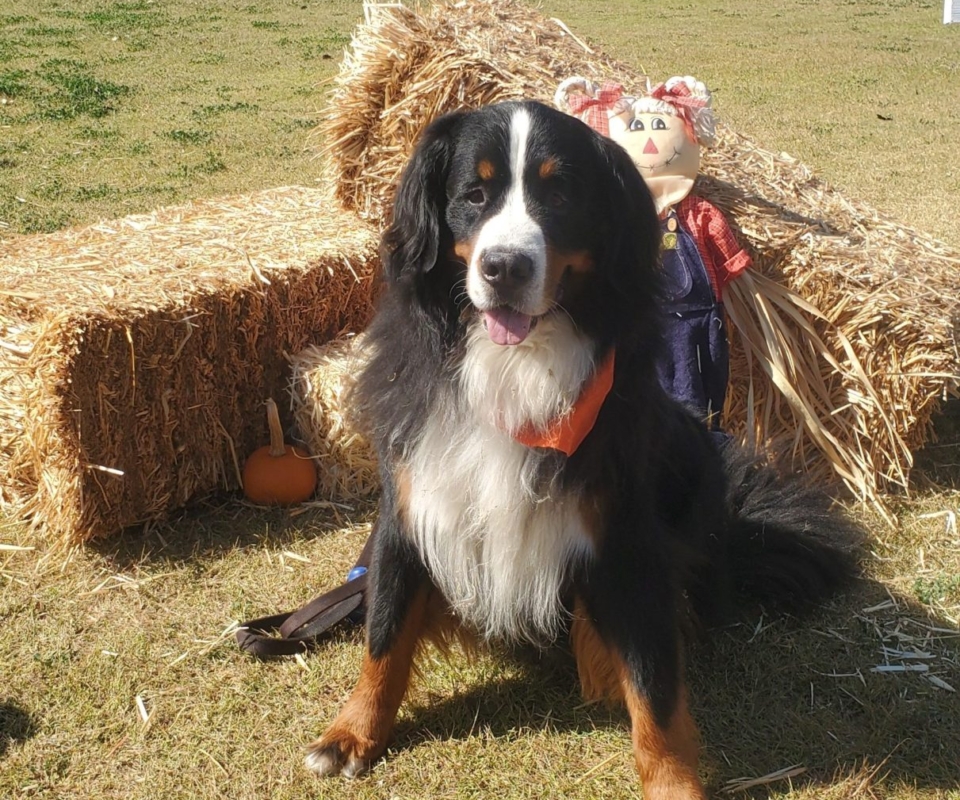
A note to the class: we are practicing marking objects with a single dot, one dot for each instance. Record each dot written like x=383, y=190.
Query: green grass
x=108, y=108
x=72, y=91
x=941, y=588
x=864, y=91
x=90, y=92
x=190, y=137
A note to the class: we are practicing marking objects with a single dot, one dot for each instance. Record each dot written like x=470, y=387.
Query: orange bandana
x=566, y=433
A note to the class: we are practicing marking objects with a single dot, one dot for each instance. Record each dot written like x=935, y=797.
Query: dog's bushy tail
x=788, y=545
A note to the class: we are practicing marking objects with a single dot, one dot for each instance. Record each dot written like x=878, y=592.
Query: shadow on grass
x=225, y=523
x=866, y=684
x=937, y=465
x=16, y=725
x=219, y=525
x=770, y=693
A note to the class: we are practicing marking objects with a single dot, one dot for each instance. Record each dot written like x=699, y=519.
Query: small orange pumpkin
x=278, y=473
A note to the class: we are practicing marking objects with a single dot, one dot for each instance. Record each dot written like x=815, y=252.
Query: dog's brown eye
x=557, y=199
x=476, y=197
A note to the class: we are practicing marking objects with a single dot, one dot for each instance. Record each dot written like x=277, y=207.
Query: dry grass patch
x=124, y=679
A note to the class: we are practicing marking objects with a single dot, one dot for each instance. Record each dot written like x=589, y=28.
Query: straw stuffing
x=321, y=379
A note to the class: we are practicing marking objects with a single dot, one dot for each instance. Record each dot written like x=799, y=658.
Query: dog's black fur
x=682, y=527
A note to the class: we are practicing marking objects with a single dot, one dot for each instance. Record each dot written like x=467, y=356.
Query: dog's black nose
x=506, y=270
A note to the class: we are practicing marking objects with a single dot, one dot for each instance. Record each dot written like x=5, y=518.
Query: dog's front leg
x=395, y=620
x=627, y=648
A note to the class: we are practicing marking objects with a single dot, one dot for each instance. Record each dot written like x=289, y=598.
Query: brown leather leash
x=296, y=631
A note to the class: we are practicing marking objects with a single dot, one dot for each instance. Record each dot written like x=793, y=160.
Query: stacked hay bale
x=406, y=67
x=845, y=330
x=135, y=355
x=321, y=379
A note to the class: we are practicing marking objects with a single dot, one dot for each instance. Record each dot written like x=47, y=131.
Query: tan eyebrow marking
x=486, y=170
x=547, y=167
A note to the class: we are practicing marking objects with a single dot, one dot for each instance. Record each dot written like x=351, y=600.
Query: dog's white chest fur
x=497, y=542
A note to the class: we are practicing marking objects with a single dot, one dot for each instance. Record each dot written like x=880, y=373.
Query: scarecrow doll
x=662, y=130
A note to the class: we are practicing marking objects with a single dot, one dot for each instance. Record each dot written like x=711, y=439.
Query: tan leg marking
x=359, y=734
x=666, y=758
x=444, y=630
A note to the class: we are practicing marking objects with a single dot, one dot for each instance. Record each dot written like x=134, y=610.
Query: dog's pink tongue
x=506, y=326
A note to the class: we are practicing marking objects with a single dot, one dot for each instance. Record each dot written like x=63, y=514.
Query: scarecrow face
x=659, y=145
x=667, y=158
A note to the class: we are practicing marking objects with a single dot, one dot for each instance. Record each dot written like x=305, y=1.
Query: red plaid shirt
x=722, y=254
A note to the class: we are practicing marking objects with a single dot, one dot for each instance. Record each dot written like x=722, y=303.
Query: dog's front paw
x=341, y=755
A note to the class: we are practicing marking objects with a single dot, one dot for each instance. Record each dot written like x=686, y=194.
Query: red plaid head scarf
x=680, y=97
x=595, y=111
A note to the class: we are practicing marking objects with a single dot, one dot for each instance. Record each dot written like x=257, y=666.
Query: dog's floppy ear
x=411, y=244
x=633, y=232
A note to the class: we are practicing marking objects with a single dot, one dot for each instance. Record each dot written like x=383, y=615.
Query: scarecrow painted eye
x=637, y=125
x=476, y=197
x=658, y=124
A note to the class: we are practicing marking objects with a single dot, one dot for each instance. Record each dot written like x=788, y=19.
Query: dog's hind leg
x=637, y=661
x=667, y=755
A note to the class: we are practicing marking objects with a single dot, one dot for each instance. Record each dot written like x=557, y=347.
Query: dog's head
x=516, y=211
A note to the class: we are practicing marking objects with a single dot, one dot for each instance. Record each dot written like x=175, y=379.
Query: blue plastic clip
x=356, y=572
x=357, y=615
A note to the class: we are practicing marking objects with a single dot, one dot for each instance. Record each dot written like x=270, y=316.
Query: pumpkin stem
x=277, y=447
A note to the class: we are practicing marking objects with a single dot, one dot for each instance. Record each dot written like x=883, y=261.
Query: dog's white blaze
x=513, y=227
x=496, y=544
x=498, y=550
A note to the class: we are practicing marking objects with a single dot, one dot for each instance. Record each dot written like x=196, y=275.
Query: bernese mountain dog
x=538, y=484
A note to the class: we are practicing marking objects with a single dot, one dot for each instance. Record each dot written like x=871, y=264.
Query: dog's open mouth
x=506, y=325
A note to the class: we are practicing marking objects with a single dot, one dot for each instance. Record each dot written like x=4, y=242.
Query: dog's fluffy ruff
x=518, y=535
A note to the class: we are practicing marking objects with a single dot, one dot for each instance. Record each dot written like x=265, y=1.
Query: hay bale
x=321, y=379
x=845, y=336
x=135, y=355
x=404, y=68
x=846, y=340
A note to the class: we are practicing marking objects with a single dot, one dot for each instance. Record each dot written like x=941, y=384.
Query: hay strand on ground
x=844, y=343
